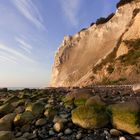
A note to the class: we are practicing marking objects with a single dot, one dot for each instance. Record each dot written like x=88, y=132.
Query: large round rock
x=36, y=108
x=6, y=122
x=95, y=100
x=126, y=117
x=136, y=88
x=5, y=109
x=90, y=117
x=23, y=118
x=12, y=99
x=6, y=135
x=78, y=97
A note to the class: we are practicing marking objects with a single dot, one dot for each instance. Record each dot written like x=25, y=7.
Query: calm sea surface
x=20, y=88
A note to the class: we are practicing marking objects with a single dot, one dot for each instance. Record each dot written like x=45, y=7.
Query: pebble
x=50, y=101
x=59, y=119
x=70, y=125
x=60, y=134
x=58, y=126
x=26, y=135
x=64, y=116
x=42, y=133
x=122, y=138
x=61, y=103
x=78, y=136
x=40, y=122
x=25, y=128
x=115, y=132
x=48, y=106
x=62, y=126
x=137, y=137
x=107, y=134
x=51, y=132
x=32, y=136
x=20, y=109
x=68, y=131
x=18, y=134
x=35, y=131
x=56, y=119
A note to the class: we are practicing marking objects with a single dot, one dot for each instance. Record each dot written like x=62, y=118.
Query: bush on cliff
x=103, y=20
x=123, y=2
x=133, y=55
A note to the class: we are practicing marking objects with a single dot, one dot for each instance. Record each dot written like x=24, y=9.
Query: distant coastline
x=20, y=88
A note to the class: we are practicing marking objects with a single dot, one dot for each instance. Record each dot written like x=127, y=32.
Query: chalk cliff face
x=103, y=52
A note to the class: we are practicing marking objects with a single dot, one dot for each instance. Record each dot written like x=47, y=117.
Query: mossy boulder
x=36, y=108
x=5, y=109
x=80, y=101
x=23, y=118
x=6, y=122
x=126, y=117
x=50, y=112
x=18, y=103
x=95, y=100
x=77, y=97
x=24, y=95
x=12, y=99
x=90, y=117
x=6, y=135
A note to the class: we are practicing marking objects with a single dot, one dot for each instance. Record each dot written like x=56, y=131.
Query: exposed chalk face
x=136, y=87
x=80, y=53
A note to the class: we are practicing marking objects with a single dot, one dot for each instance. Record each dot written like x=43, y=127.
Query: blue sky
x=32, y=30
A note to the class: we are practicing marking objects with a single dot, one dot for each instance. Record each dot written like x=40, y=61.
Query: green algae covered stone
x=36, y=108
x=90, y=117
x=23, y=118
x=126, y=117
x=6, y=108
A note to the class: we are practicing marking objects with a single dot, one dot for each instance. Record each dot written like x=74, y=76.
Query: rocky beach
x=90, y=113
x=94, y=91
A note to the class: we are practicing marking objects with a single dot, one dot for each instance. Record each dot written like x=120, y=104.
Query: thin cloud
x=24, y=45
x=4, y=58
x=15, y=53
x=5, y=54
x=71, y=8
x=29, y=10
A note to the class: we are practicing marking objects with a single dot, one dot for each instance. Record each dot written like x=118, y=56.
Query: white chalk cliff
x=95, y=55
